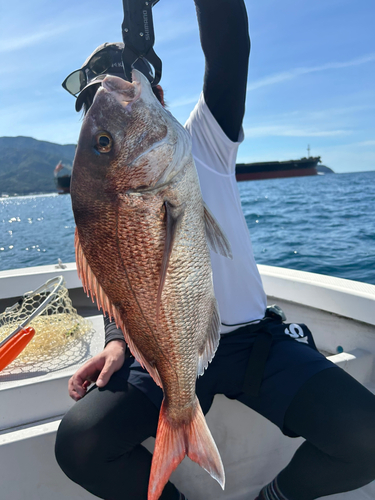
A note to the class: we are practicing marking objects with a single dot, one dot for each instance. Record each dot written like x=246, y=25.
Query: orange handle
x=14, y=346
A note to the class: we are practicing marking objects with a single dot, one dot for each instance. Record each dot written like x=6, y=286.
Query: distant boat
x=62, y=175
x=277, y=169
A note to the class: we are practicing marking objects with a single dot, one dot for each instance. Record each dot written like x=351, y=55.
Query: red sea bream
x=142, y=251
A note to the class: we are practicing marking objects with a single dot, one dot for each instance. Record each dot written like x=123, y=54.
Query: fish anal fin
x=212, y=341
x=173, y=442
x=150, y=367
x=173, y=217
x=216, y=239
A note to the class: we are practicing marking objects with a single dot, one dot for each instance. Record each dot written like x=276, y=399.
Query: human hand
x=98, y=369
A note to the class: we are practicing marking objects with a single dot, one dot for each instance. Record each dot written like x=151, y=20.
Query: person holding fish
x=148, y=234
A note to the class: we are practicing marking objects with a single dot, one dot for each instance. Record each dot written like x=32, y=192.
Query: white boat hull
x=340, y=313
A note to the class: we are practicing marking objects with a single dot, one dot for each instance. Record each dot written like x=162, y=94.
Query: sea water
x=323, y=224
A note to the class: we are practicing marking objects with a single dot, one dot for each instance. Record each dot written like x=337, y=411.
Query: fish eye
x=103, y=142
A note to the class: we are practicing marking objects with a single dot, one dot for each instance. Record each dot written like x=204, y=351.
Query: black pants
x=98, y=442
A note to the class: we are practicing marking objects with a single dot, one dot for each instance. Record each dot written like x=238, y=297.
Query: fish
x=143, y=239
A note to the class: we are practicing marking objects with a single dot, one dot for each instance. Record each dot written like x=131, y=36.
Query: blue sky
x=311, y=77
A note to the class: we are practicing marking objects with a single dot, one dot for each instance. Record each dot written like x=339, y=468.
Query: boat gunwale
x=347, y=298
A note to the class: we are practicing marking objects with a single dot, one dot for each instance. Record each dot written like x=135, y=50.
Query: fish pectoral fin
x=216, y=239
x=173, y=217
x=211, y=342
x=173, y=442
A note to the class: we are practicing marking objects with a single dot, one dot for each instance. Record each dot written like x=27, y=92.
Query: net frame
x=62, y=338
x=55, y=284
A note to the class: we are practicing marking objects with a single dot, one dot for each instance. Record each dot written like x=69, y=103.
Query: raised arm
x=225, y=40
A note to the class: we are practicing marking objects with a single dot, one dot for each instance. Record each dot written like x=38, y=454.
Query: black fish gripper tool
x=138, y=36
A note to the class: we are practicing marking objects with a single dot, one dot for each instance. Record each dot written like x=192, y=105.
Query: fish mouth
x=125, y=92
x=129, y=92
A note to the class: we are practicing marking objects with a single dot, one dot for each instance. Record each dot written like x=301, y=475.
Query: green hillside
x=26, y=164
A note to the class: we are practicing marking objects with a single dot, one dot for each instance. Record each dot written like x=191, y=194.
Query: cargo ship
x=244, y=171
x=277, y=169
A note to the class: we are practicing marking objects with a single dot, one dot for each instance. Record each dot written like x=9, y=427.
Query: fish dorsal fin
x=93, y=289
x=173, y=217
x=212, y=341
x=216, y=239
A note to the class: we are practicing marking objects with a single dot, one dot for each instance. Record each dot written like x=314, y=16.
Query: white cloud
x=15, y=39
x=291, y=131
x=326, y=122
x=20, y=42
x=365, y=143
x=293, y=73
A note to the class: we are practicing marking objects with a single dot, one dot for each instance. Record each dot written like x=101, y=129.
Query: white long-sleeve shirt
x=237, y=283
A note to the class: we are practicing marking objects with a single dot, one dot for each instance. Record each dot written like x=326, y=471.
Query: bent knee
x=76, y=448
x=357, y=444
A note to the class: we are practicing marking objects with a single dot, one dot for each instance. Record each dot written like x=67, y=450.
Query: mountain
x=323, y=169
x=26, y=164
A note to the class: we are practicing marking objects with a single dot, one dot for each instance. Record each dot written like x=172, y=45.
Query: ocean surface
x=322, y=224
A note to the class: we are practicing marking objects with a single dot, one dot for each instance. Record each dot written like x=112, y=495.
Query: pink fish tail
x=174, y=442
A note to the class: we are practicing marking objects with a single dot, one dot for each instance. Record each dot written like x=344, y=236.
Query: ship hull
x=244, y=171
x=277, y=169
x=63, y=184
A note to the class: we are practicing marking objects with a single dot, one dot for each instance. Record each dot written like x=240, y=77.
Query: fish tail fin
x=174, y=442
x=202, y=448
